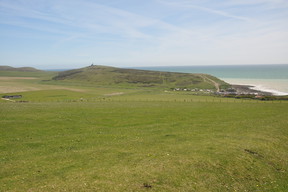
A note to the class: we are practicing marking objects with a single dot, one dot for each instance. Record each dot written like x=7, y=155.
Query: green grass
x=38, y=74
x=20, y=69
x=122, y=146
x=117, y=77
x=85, y=137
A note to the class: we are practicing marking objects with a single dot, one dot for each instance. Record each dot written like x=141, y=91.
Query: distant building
x=12, y=96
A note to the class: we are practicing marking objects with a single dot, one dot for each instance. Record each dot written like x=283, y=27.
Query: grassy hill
x=26, y=69
x=103, y=75
x=7, y=71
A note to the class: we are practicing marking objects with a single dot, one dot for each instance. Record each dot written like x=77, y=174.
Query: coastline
x=277, y=87
x=247, y=89
x=269, y=79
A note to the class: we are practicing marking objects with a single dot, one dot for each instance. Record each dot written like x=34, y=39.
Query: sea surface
x=269, y=78
x=57, y=70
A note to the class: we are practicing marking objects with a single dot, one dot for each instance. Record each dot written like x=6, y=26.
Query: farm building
x=12, y=96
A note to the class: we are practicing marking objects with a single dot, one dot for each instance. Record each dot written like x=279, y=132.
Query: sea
x=268, y=78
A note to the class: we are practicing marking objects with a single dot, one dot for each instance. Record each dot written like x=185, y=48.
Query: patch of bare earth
x=114, y=94
x=7, y=99
x=72, y=89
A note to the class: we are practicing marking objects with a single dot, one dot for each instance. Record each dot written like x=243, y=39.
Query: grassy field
x=85, y=138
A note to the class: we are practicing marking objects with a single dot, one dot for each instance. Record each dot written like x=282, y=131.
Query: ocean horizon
x=268, y=78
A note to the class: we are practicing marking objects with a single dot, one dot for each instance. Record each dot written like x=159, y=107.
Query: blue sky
x=76, y=33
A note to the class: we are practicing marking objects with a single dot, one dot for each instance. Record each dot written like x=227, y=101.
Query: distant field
x=42, y=74
x=77, y=137
x=20, y=81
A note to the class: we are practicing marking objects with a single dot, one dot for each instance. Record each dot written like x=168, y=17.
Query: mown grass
x=144, y=145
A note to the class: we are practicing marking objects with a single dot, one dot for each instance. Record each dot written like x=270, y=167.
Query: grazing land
x=77, y=136
x=103, y=75
x=21, y=69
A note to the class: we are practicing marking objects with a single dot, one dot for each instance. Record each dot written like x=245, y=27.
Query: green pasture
x=73, y=136
x=143, y=145
x=39, y=74
x=117, y=77
x=95, y=94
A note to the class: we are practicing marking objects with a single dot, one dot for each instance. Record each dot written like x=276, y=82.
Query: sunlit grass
x=131, y=145
x=65, y=136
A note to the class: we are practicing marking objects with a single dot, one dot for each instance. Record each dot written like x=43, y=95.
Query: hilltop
x=103, y=75
x=24, y=69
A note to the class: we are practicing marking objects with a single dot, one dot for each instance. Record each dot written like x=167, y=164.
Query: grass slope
x=135, y=146
x=76, y=136
x=24, y=69
x=6, y=71
x=103, y=75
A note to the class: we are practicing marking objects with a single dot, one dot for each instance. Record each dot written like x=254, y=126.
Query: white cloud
x=188, y=4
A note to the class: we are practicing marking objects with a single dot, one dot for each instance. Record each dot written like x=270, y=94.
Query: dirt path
x=206, y=79
x=114, y=94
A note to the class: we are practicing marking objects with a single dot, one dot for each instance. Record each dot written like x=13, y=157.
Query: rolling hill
x=103, y=75
x=23, y=69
